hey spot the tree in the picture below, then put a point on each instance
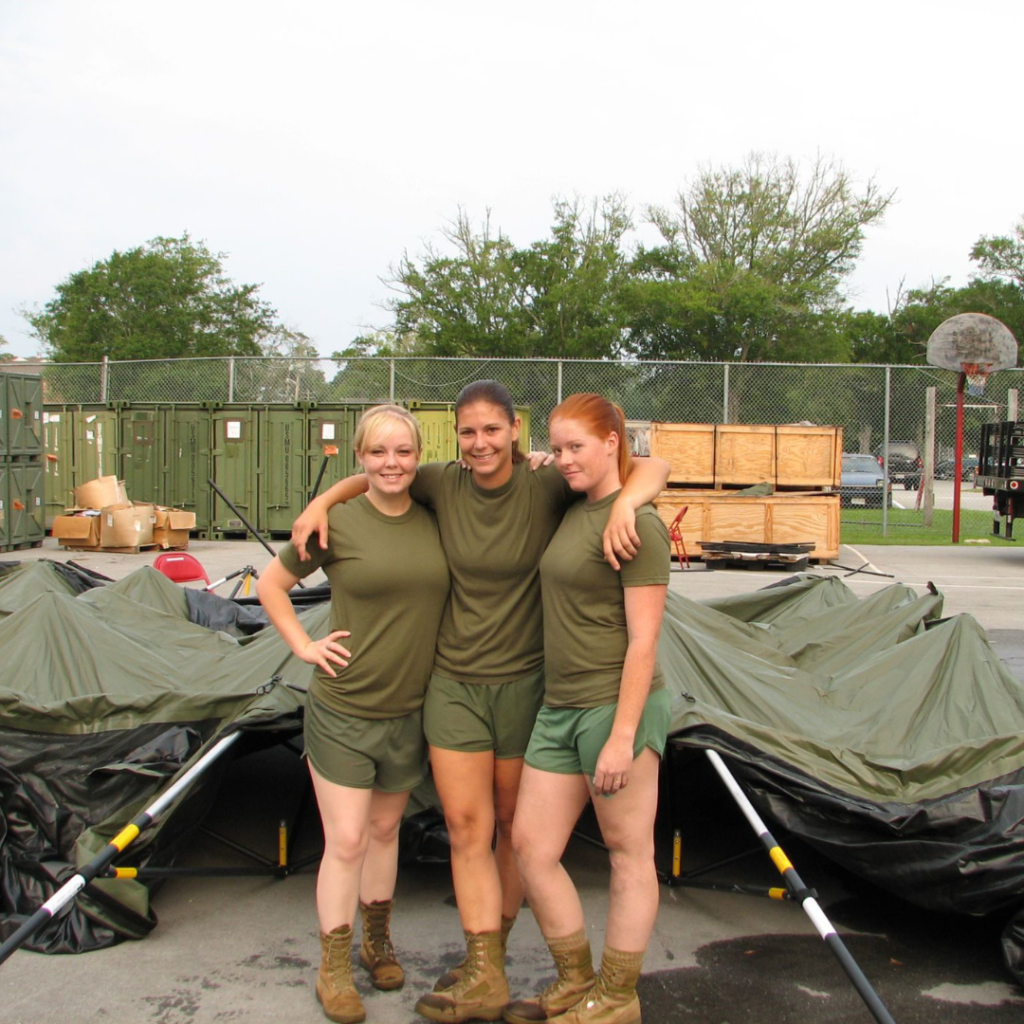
(1002, 257)
(5, 357)
(485, 297)
(165, 299)
(751, 263)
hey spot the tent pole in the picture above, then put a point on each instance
(71, 888)
(801, 893)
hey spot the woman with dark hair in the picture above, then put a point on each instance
(488, 678)
(601, 731)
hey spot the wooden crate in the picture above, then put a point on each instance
(807, 456)
(689, 448)
(744, 454)
(794, 517)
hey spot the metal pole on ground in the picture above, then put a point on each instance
(71, 888)
(801, 893)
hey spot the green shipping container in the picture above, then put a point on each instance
(189, 432)
(23, 413)
(282, 469)
(24, 512)
(234, 467)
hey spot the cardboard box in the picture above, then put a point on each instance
(76, 530)
(171, 527)
(101, 492)
(126, 526)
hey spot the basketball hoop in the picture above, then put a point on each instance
(973, 345)
(977, 376)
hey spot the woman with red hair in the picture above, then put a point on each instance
(601, 731)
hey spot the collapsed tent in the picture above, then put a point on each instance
(104, 698)
(889, 738)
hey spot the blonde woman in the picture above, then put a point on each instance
(364, 719)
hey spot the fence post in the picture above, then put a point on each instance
(558, 388)
(885, 449)
(725, 395)
(927, 484)
(1011, 404)
(104, 365)
(391, 381)
(231, 378)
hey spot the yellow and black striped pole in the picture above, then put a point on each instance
(73, 886)
(804, 895)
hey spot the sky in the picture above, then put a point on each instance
(314, 143)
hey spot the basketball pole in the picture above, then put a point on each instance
(958, 454)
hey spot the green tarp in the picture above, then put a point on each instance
(889, 737)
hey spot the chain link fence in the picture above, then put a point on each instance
(873, 404)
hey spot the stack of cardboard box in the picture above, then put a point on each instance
(103, 518)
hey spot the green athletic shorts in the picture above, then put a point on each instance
(569, 740)
(388, 754)
(475, 717)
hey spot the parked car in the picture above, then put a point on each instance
(905, 463)
(945, 469)
(862, 482)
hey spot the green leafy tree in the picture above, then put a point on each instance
(168, 298)
(1002, 256)
(751, 264)
(5, 357)
(482, 296)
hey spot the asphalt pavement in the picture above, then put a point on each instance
(246, 949)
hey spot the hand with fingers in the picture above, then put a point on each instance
(326, 652)
(613, 765)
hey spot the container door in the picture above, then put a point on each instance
(330, 431)
(437, 424)
(95, 444)
(25, 503)
(24, 415)
(188, 434)
(142, 454)
(58, 441)
(282, 466)
(233, 465)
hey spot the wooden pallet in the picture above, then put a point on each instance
(739, 555)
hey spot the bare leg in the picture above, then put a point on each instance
(627, 826)
(465, 783)
(345, 814)
(380, 866)
(507, 773)
(549, 807)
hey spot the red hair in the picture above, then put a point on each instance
(600, 417)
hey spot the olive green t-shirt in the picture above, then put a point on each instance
(492, 628)
(389, 586)
(585, 635)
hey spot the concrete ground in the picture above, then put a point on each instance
(245, 949)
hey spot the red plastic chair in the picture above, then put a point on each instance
(675, 534)
(182, 568)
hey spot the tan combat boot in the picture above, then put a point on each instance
(449, 979)
(376, 953)
(613, 1000)
(482, 991)
(334, 986)
(575, 979)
